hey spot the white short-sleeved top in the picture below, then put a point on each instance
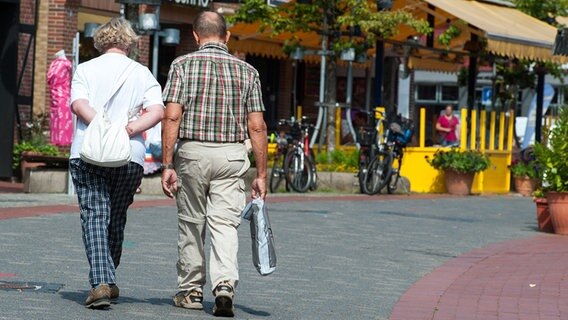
(96, 80)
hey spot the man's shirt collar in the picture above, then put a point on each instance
(214, 45)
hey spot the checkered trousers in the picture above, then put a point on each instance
(104, 196)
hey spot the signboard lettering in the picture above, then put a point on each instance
(193, 3)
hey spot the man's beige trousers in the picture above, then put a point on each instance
(211, 192)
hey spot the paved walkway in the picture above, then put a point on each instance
(519, 279)
(340, 257)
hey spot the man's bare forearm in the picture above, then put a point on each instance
(83, 110)
(153, 115)
(170, 131)
(259, 143)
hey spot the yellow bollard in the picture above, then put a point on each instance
(473, 130)
(337, 126)
(482, 128)
(492, 131)
(463, 126)
(510, 130)
(422, 127)
(501, 131)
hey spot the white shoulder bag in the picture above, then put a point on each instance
(107, 143)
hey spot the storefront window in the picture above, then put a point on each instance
(450, 93)
(426, 92)
(87, 49)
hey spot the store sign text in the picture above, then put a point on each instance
(194, 3)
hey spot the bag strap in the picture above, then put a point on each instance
(119, 83)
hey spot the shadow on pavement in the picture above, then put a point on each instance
(253, 312)
(76, 296)
(80, 296)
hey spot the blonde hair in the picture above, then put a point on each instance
(117, 33)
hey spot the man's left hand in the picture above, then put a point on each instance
(259, 188)
(169, 182)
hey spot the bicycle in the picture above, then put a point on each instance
(277, 174)
(392, 139)
(298, 165)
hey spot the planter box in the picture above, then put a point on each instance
(54, 180)
(45, 180)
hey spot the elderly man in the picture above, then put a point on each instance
(213, 103)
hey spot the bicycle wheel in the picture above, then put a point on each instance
(276, 175)
(314, 184)
(393, 182)
(361, 176)
(378, 173)
(298, 171)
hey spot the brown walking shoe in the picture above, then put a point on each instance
(189, 299)
(224, 294)
(114, 292)
(99, 297)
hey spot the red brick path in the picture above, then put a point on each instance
(519, 279)
(43, 210)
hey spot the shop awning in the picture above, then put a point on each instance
(563, 21)
(508, 31)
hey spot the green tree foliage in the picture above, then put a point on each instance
(342, 16)
(543, 9)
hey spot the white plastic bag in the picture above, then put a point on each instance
(263, 252)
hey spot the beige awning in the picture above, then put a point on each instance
(508, 31)
(562, 20)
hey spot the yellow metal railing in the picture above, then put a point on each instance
(488, 132)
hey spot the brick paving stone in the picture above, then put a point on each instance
(518, 279)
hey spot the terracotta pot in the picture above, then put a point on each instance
(543, 215)
(525, 185)
(558, 206)
(458, 183)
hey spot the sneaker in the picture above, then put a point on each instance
(224, 294)
(99, 297)
(114, 291)
(189, 299)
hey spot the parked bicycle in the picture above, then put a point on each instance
(294, 162)
(384, 168)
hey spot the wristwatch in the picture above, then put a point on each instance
(167, 166)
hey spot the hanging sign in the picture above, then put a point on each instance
(192, 3)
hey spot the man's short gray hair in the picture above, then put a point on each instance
(210, 24)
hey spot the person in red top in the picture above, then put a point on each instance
(446, 126)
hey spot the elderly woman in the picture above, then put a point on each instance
(104, 193)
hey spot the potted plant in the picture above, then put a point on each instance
(460, 167)
(542, 212)
(31, 148)
(525, 177)
(553, 158)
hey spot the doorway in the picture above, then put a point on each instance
(9, 24)
(269, 72)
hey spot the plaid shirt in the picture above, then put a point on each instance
(217, 90)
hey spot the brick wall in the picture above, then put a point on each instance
(187, 41)
(144, 50)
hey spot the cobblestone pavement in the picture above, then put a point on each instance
(338, 257)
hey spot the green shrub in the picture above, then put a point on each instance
(338, 161)
(468, 161)
(553, 158)
(524, 169)
(28, 146)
